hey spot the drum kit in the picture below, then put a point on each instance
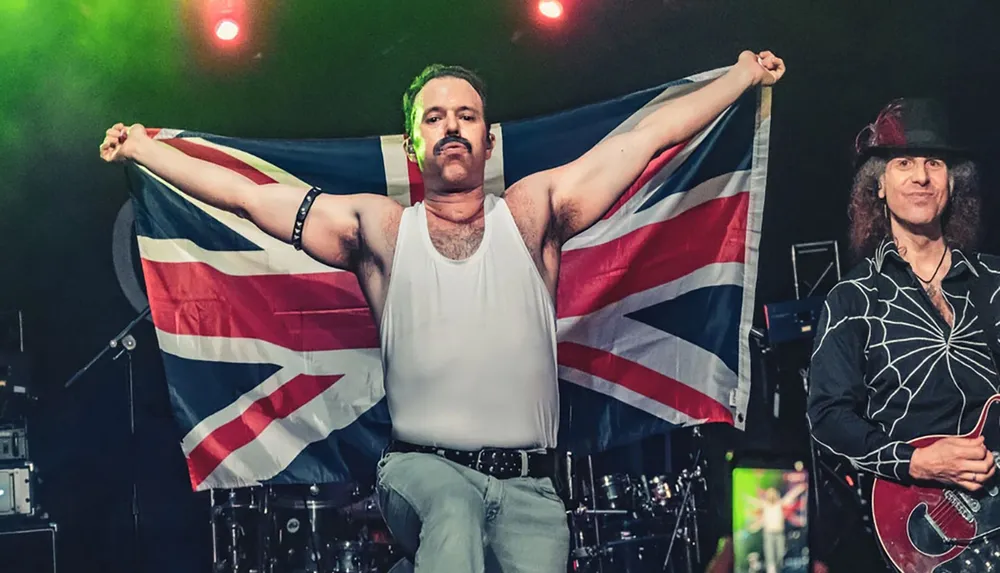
(319, 528)
(627, 523)
(621, 523)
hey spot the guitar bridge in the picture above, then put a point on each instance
(970, 502)
(957, 503)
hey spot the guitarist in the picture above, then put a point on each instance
(903, 347)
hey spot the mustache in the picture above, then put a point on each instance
(452, 139)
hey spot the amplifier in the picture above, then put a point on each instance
(793, 320)
(28, 547)
(15, 374)
(13, 443)
(15, 490)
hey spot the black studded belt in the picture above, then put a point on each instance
(500, 463)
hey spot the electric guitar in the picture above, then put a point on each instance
(940, 529)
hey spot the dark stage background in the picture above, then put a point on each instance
(337, 69)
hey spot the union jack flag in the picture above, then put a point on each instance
(272, 358)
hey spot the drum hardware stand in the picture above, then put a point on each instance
(234, 536)
(314, 540)
(211, 524)
(688, 512)
(593, 501)
(264, 556)
(124, 343)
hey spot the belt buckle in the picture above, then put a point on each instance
(479, 459)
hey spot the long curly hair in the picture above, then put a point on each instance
(960, 221)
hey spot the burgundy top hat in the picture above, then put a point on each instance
(917, 126)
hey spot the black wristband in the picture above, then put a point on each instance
(300, 217)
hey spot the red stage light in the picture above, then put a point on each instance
(550, 8)
(227, 29)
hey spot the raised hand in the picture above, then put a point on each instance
(765, 67)
(120, 141)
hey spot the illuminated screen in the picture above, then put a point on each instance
(770, 529)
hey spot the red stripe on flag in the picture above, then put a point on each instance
(217, 157)
(644, 381)
(316, 311)
(652, 169)
(416, 182)
(236, 433)
(594, 277)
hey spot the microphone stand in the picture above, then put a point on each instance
(124, 343)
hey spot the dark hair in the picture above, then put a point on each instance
(869, 225)
(434, 71)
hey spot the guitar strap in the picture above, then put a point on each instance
(979, 292)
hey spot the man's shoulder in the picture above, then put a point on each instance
(989, 261)
(531, 187)
(377, 201)
(376, 209)
(529, 200)
(379, 217)
(854, 289)
(865, 270)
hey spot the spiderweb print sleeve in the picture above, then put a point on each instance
(837, 390)
(991, 266)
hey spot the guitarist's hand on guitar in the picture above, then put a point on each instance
(961, 461)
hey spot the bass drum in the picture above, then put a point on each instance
(308, 533)
(238, 530)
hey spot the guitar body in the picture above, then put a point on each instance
(913, 523)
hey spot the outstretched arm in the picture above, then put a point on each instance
(583, 190)
(793, 493)
(330, 233)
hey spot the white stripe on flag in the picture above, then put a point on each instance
(665, 172)
(494, 180)
(755, 218)
(715, 274)
(281, 252)
(355, 393)
(610, 330)
(725, 185)
(255, 351)
(283, 440)
(395, 165)
(269, 169)
(233, 263)
(168, 133)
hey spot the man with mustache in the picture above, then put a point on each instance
(462, 287)
(904, 343)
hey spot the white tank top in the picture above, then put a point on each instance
(469, 347)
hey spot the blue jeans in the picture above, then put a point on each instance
(453, 519)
